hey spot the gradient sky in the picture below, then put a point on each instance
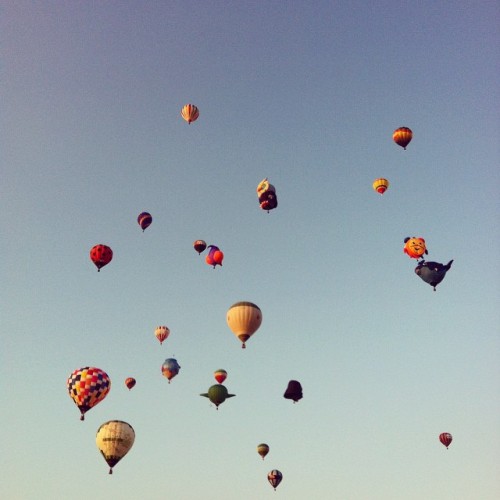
(307, 94)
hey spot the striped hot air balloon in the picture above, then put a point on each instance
(445, 438)
(402, 136)
(190, 113)
(244, 319)
(162, 333)
(114, 440)
(380, 185)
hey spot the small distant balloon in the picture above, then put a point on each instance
(190, 113)
(217, 394)
(130, 382)
(214, 257)
(402, 136)
(275, 477)
(162, 333)
(170, 368)
(380, 185)
(101, 255)
(199, 246)
(432, 272)
(415, 247)
(144, 220)
(220, 375)
(446, 439)
(267, 195)
(293, 391)
(114, 440)
(262, 450)
(244, 319)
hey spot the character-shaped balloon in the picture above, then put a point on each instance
(446, 439)
(101, 255)
(214, 257)
(114, 440)
(275, 477)
(293, 391)
(144, 220)
(432, 272)
(170, 368)
(402, 136)
(415, 247)
(217, 394)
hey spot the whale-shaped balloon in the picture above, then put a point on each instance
(432, 272)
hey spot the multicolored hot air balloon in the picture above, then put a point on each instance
(267, 195)
(244, 319)
(220, 375)
(432, 272)
(445, 438)
(380, 185)
(101, 255)
(217, 394)
(199, 246)
(190, 113)
(293, 391)
(162, 333)
(275, 477)
(144, 220)
(130, 382)
(415, 247)
(262, 450)
(214, 257)
(170, 368)
(87, 387)
(114, 440)
(402, 136)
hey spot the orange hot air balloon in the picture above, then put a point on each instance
(161, 333)
(130, 382)
(101, 255)
(199, 246)
(415, 247)
(220, 375)
(380, 185)
(402, 136)
(244, 319)
(190, 113)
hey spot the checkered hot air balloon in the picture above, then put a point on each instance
(87, 387)
(162, 333)
(275, 477)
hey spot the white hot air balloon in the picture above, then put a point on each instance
(114, 440)
(244, 319)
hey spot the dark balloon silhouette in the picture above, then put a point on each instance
(144, 220)
(445, 438)
(199, 246)
(293, 391)
(275, 477)
(432, 272)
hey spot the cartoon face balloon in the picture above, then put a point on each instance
(415, 247)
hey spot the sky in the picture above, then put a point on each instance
(307, 94)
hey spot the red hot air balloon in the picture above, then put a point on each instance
(144, 220)
(162, 333)
(101, 255)
(220, 375)
(402, 136)
(199, 246)
(446, 438)
(190, 113)
(130, 382)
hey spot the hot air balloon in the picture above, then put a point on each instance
(217, 394)
(415, 247)
(144, 220)
(402, 136)
(130, 382)
(101, 255)
(262, 450)
(190, 113)
(267, 195)
(380, 185)
(275, 477)
(446, 438)
(87, 387)
(170, 368)
(214, 257)
(161, 333)
(293, 391)
(244, 319)
(432, 272)
(199, 246)
(114, 440)
(220, 375)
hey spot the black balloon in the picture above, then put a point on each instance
(432, 272)
(293, 391)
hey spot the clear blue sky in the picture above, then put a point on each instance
(307, 94)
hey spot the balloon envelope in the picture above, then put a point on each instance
(293, 391)
(267, 195)
(432, 272)
(220, 375)
(162, 333)
(262, 450)
(130, 382)
(446, 438)
(380, 185)
(275, 477)
(244, 319)
(199, 246)
(101, 255)
(87, 387)
(144, 220)
(114, 440)
(217, 394)
(402, 136)
(190, 113)
(170, 368)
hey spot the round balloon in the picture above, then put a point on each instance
(144, 220)
(244, 319)
(220, 375)
(415, 247)
(170, 368)
(130, 382)
(380, 185)
(114, 440)
(101, 255)
(87, 387)
(262, 450)
(445, 438)
(190, 113)
(162, 333)
(402, 136)
(199, 246)
(275, 477)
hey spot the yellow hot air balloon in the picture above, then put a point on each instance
(114, 440)
(244, 319)
(380, 185)
(190, 113)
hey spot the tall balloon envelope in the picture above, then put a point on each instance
(199, 246)
(220, 375)
(87, 387)
(266, 193)
(293, 391)
(244, 319)
(162, 333)
(262, 450)
(130, 382)
(190, 113)
(101, 255)
(402, 136)
(114, 440)
(170, 368)
(275, 477)
(144, 220)
(446, 439)
(380, 185)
